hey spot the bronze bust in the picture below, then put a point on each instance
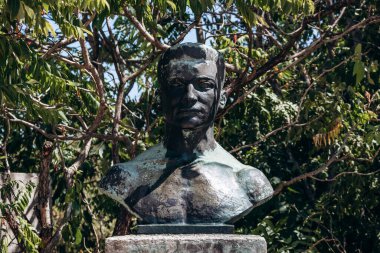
(189, 178)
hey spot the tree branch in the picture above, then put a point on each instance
(334, 158)
(184, 33)
(143, 31)
(7, 132)
(300, 56)
(271, 133)
(72, 170)
(299, 178)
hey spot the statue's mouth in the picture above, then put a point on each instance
(188, 112)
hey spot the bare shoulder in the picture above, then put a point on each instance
(255, 183)
(221, 156)
(121, 180)
(252, 180)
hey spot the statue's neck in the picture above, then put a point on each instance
(181, 142)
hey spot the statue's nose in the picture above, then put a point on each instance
(189, 97)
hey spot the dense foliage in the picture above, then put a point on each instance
(78, 92)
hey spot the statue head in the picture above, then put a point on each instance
(191, 78)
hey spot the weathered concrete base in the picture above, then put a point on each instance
(186, 243)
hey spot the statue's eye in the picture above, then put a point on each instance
(205, 84)
(176, 83)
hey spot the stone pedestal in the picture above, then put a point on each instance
(186, 243)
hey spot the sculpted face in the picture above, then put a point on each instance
(190, 92)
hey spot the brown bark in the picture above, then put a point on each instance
(199, 31)
(123, 222)
(44, 193)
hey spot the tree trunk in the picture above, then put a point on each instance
(123, 222)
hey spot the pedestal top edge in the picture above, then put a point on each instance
(140, 237)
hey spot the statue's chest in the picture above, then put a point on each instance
(194, 194)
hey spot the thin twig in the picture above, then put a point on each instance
(184, 33)
(344, 174)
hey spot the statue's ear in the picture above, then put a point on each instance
(222, 100)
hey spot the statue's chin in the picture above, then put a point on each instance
(189, 123)
(190, 120)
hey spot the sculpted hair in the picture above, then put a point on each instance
(192, 51)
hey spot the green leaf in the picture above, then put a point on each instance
(358, 71)
(21, 14)
(370, 80)
(172, 5)
(78, 236)
(229, 3)
(46, 6)
(358, 49)
(196, 7)
(48, 28)
(4, 244)
(288, 6)
(261, 20)
(245, 10)
(29, 11)
(62, 116)
(13, 6)
(87, 31)
(293, 190)
(308, 7)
